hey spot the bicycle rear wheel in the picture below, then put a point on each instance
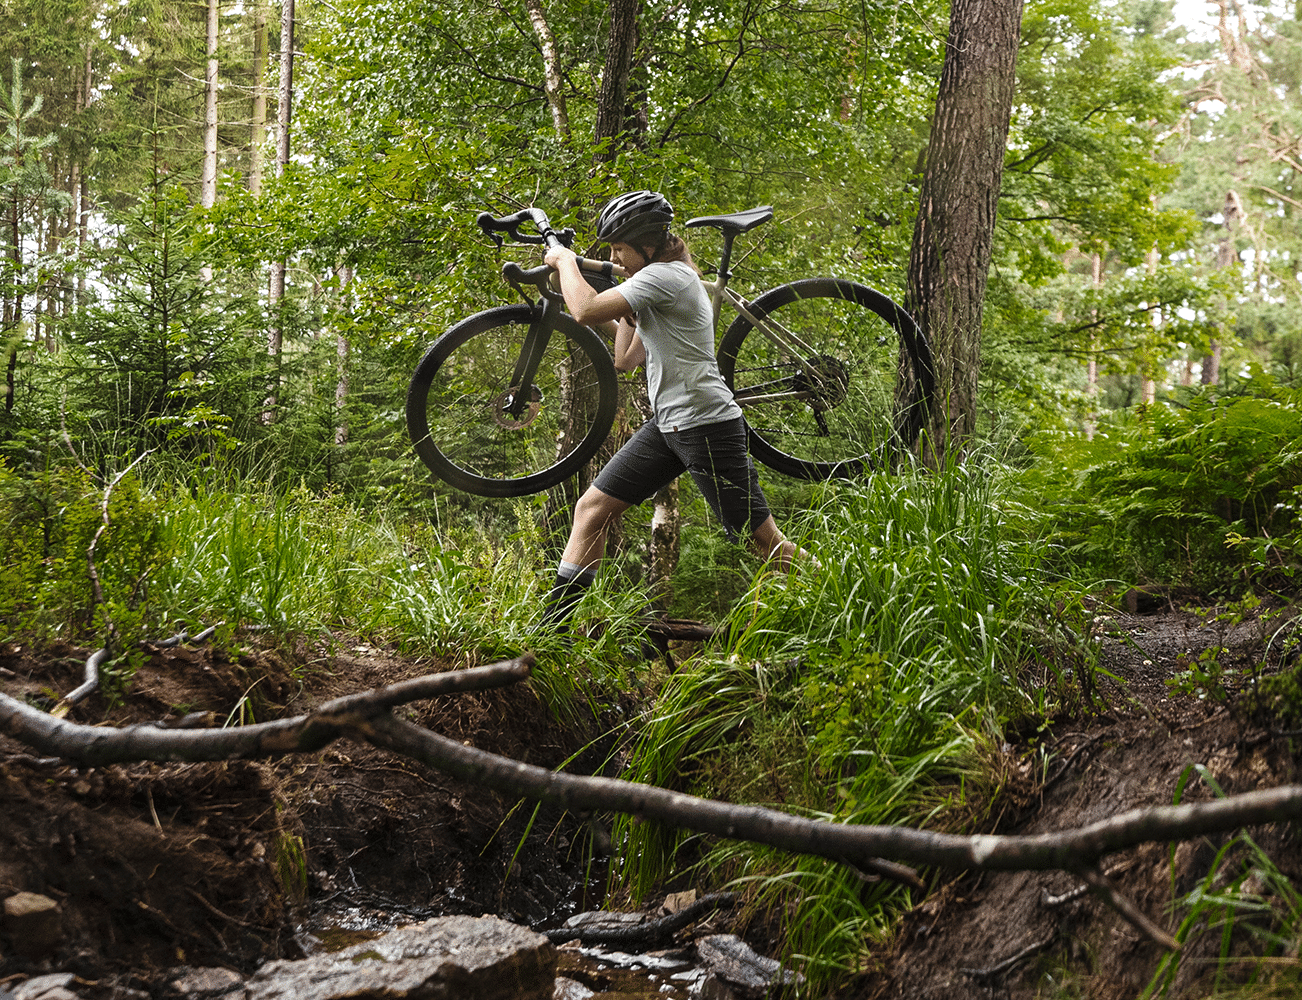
(459, 404)
(827, 410)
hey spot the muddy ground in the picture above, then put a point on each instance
(1012, 934)
(232, 864)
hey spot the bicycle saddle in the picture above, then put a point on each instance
(737, 222)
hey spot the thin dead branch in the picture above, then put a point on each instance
(649, 931)
(367, 717)
(1035, 947)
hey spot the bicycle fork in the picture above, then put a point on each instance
(524, 393)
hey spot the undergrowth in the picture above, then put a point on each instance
(288, 566)
(872, 688)
(1203, 489)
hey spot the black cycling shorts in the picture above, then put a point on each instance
(715, 455)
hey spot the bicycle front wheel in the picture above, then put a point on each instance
(480, 433)
(818, 386)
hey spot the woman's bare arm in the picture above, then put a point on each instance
(629, 351)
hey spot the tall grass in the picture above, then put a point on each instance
(289, 565)
(869, 689)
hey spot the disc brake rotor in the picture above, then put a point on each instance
(504, 418)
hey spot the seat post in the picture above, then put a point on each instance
(716, 295)
(728, 236)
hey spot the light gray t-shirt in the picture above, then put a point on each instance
(676, 324)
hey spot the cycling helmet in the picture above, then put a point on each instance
(645, 214)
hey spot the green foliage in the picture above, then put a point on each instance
(866, 690)
(1203, 491)
(81, 563)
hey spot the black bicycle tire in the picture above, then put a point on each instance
(906, 424)
(446, 467)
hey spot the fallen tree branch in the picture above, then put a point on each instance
(367, 717)
(1108, 893)
(90, 679)
(100, 745)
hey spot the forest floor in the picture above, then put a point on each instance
(161, 866)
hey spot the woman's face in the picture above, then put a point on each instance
(627, 257)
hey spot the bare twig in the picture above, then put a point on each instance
(1011, 960)
(1108, 893)
(648, 931)
(1065, 766)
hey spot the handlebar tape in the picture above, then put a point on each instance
(493, 226)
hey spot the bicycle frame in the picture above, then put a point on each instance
(804, 386)
(782, 338)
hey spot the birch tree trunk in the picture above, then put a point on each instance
(551, 68)
(208, 180)
(284, 111)
(950, 255)
(665, 546)
(208, 177)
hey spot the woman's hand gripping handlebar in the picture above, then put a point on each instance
(494, 226)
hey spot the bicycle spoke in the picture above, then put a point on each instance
(825, 407)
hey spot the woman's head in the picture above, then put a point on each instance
(638, 218)
(640, 221)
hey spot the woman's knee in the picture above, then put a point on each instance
(596, 509)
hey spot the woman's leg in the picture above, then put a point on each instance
(593, 515)
(769, 543)
(635, 473)
(583, 552)
(717, 457)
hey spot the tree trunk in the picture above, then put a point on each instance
(662, 559)
(284, 111)
(950, 255)
(208, 181)
(13, 305)
(613, 95)
(1226, 257)
(258, 131)
(1092, 369)
(82, 195)
(341, 354)
(1149, 366)
(551, 68)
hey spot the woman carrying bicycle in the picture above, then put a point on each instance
(665, 321)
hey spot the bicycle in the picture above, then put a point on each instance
(499, 406)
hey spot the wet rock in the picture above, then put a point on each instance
(569, 989)
(711, 987)
(458, 958)
(734, 963)
(33, 923)
(604, 919)
(205, 984)
(52, 987)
